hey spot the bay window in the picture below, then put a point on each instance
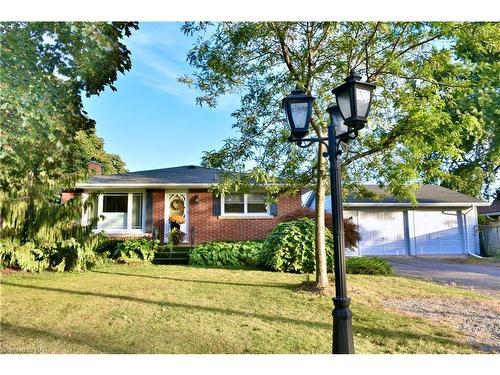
(245, 204)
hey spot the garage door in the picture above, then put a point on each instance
(383, 233)
(437, 233)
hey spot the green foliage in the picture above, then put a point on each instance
(25, 257)
(368, 266)
(142, 249)
(433, 118)
(74, 255)
(108, 246)
(175, 237)
(68, 255)
(290, 247)
(87, 147)
(221, 254)
(46, 137)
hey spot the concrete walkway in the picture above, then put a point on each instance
(480, 277)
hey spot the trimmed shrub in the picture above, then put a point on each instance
(290, 247)
(368, 266)
(351, 230)
(136, 250)
(224, 254)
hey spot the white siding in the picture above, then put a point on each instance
(438, 232)
(417, 231)
(472, 235)
(382, 232)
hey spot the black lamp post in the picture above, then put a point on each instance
(347, 117)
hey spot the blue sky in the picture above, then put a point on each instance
(152, 121)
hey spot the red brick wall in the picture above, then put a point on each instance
(66, 196)
(159, 211)
(211, 228)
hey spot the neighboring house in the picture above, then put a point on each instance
(443, 223)
(156, 201)
(492, 211)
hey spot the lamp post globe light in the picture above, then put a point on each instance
(298, 110)
(353, 99)
(347, 117)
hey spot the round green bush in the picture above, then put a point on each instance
(368, 266)
(226, 254)
(290, 247)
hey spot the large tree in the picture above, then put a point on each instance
(46, 137)
(425, 123)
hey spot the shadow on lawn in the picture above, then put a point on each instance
(374, 335)
(85, 340)
(186, 306)
(277, 285)
(381, 334)
(377, 335)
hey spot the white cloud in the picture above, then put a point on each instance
(159, 58)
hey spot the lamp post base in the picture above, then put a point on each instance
(343, 342)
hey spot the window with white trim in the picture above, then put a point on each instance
(245, 204)
(137, 211)
(120, 211)
(114, 211)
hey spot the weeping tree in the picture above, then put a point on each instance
(46, 137)
(433, 118)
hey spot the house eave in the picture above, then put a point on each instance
(419, 205)
(130, 185)
(89, 186)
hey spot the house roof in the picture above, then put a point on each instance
(187, 175)
(491, 210)
(427, 195)
(196, 176)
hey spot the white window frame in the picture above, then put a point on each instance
(128, 230)
(245, 208)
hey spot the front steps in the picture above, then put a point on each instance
(178, 255)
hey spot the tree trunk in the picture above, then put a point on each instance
(320, 244)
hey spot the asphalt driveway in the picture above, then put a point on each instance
(480, 277)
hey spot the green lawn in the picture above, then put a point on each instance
(179, 309)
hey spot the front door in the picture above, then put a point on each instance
(176, 217)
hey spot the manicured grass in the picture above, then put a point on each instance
(148, 308)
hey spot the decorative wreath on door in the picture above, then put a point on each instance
(177, 209)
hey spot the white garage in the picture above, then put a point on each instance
(443, 223)
(376, 239)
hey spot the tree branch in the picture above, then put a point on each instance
(285, 50)
(382, 146)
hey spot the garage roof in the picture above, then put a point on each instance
(427, 196)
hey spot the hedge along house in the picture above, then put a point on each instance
(154, 202)
(444, 222)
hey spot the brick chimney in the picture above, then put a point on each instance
(95, 168)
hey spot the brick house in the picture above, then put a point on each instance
(154, 202)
